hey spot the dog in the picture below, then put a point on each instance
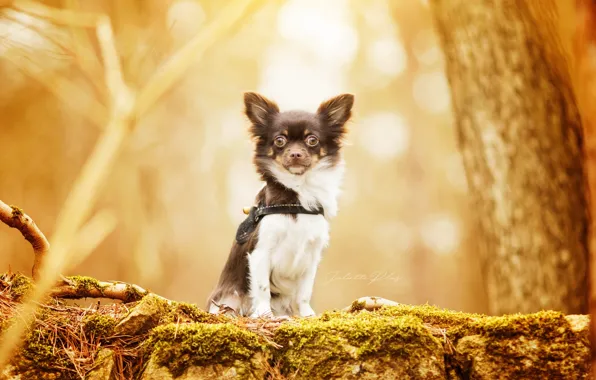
(272, 265)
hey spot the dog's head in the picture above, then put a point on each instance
(295, 141)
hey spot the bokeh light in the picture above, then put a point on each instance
(384, 135)
(441, 234)
(387, 56)
(431, 92)
(185, 18)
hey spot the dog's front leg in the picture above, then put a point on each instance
(304, 293)
(259, 264)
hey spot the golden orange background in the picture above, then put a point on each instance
(403, 231)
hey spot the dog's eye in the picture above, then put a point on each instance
(312, 140)
(279, 141)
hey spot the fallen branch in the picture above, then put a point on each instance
(77, 287)
(15, 217)
(85, 287)
(369, 304)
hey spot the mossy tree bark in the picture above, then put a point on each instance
(520, 136)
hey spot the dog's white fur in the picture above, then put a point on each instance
(288, 251)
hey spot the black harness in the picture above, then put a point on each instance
(257, 213)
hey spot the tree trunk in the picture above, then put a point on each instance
(520, 135)
(584, 49)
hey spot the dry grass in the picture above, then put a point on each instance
(75, 346)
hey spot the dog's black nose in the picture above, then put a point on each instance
(296, 155)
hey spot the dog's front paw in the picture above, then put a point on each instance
(306, 311)
(281, 318)
(262, 312)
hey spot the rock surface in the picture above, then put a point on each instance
(142, 318)
(104, 366)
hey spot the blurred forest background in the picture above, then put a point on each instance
(178, 188)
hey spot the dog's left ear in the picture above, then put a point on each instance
(337, 110)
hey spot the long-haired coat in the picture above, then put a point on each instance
(272, 265)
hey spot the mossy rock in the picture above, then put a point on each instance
(365, 346)
(402, 342)
(540, 346)
(160, 339)
(143, 317)
(209, 351)
(104, 366)
(234, 370)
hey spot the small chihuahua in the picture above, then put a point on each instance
(271, 269)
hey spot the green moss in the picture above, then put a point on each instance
(20, 285)
(39, 350)
(329, 345)
(99, 325)
(544, 324)
(16, 212)
(357, 305)
(186, 312)
(156, 303)
(85, 283)
(336, 342)
(179, 346)
(40, 358)
(42, 355)
(544, 338)
(429, 314)
(133, 294)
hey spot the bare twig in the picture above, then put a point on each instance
(16, 218)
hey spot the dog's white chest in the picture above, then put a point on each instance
(296, 246)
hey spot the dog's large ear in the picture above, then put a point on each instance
(259, 109)
(337, 110)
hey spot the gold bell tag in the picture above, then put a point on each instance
(246, 210)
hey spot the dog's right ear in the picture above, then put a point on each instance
(259, 109)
